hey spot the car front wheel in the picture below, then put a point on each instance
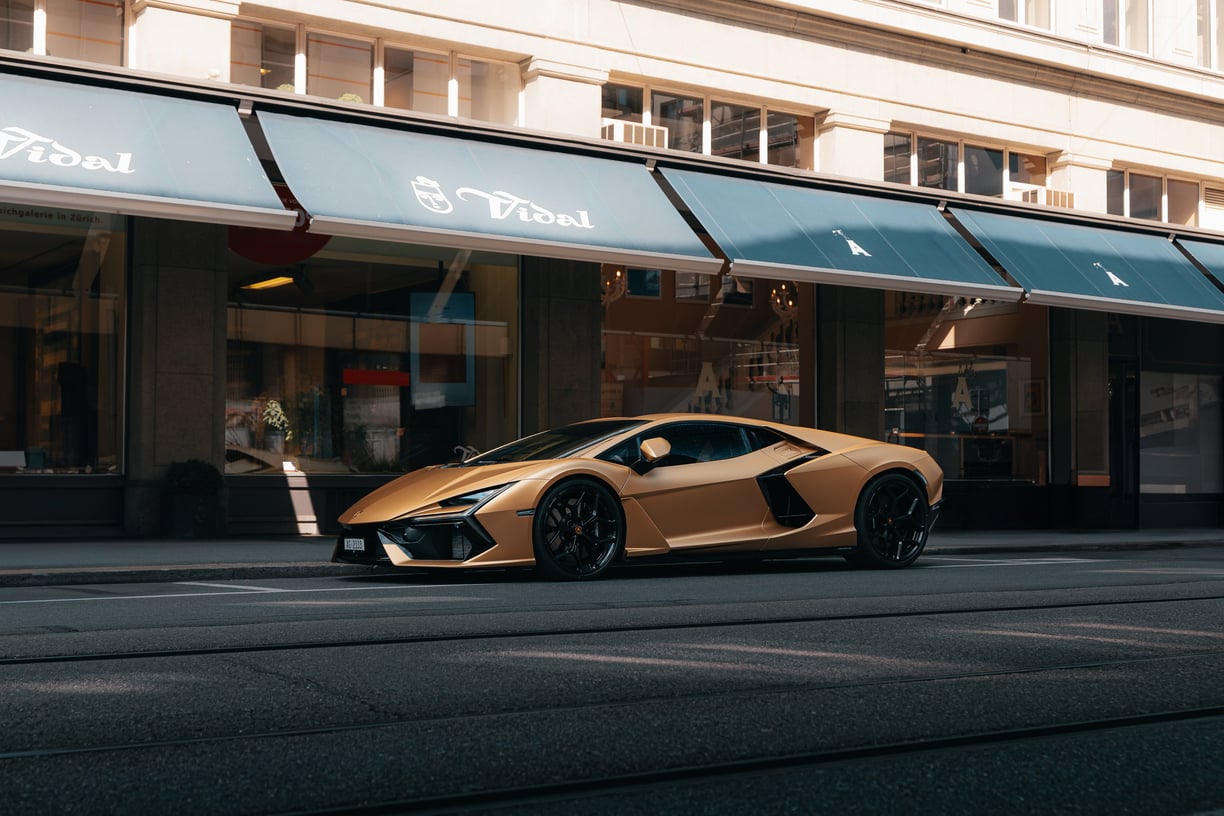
(579, 530)
(892, 518)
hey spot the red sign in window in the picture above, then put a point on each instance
(363, 376)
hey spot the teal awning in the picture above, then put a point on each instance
(111, 150)
(1207, 253)
(368, 181)
(776, 230)
(1099, 268)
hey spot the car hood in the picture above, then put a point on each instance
(428, 486)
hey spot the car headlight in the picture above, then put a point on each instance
(474, 498)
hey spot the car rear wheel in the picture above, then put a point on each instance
(892, 518)
(579, 530)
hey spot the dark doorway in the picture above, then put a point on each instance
(1123, 443)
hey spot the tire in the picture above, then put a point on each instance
(892, 518)
(579, 530)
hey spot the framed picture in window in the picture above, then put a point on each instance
(1032, 398)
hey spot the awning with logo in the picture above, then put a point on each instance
(367, 181)
(1087, 267)
(777, 230)
(110, 150)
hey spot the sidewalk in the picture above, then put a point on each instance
(99, 561)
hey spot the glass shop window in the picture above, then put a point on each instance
(488, 91)
(62, 321)
(90, 30)
(965, 380)
(339, 68)
(262, 56)
(415, 80)
(790, 142)
(694, 355)
(1180, 433)
(17, 25)
(365, 358)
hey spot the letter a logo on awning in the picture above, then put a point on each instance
(855, 249)
(1112, 277)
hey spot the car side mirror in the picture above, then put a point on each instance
(652, 450)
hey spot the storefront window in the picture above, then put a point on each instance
(488, 91)
(262, 55)
(17, 25)
(706, 357)
(1180, 433)
(1145, 194)
(61, 340)
(369, 357)
(339, 68)
(965, 380)
(415, 80)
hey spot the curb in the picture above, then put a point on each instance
(171, 573)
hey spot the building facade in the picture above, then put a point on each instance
(316, 250)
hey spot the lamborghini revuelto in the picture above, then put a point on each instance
(575, 500)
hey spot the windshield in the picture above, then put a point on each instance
(557, 443)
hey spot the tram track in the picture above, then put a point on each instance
(344, 643)
(738, 693)
(591, 788)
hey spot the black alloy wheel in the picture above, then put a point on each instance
(892, 519)
(579, 530)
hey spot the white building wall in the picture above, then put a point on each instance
(860, 67)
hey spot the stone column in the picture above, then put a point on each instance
(160, 29)
(176, 391)
(562, 98)
(851, 145)
(1084, 175)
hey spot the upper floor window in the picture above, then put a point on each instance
(17, 25)
(705, 124)
(1125, 23)
(1155, 198)
(968, 168)
(1026, 12)
(89, 30)
(292, 59)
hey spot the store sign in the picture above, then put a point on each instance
(502, 206)
(16, 142)
(855, 249)
(1112, 277)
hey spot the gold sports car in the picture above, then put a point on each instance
(577, 499)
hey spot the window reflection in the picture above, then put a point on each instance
(262, 55)
(17, 25)
(415, 80)
(61, 340)
(371, 358)
(339, 68)
(965, 380)
(488, 91)
(683, 117)
(90, 30)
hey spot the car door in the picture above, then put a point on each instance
(704, 493)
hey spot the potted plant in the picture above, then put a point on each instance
(192, 499)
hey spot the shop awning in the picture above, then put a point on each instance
(367, 181)
(775, 230)
(1098, 268)
(1207, 253)
(105, 149)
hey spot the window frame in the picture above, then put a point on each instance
(1165, 178)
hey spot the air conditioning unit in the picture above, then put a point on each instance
(1044, 196)
(619, 130)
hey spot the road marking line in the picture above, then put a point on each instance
(232, 586)
(210, 594)
(1028, 562)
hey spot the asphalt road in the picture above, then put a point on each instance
(965, 685)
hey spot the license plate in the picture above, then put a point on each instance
(354, 544)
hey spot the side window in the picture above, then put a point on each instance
(703, 442)
(626, 453)
(759, 438)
